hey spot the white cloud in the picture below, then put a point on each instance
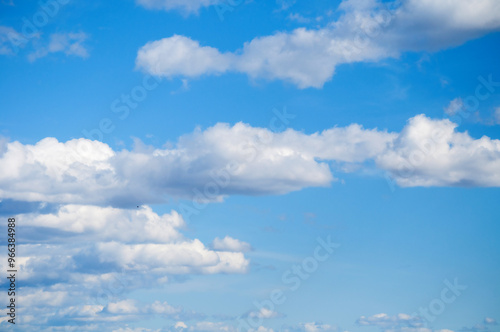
(454, 106)
(175, 258)
(303, 57)
(76, 268)
(230, 244)
(132, 240)
(67, 43)
(317, 327)
(385, 321)
(40, 297)
(187, 6)
(311, 327)
(298, 18)
(261, 329)
(123, 307)
(432, 153)
(264, 313)
(456, 21)
(185, 57)
(126, 309)
(180, 325)
(224, 160)
(107, 224)
(163, 308)
(207, 326)
(306, 58)
(367, 31)
(62, 168)
(81, 262)
(398, 323)
(11, 41)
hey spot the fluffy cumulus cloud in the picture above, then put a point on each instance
(79, 262)
(221, 160)
(50, 163)
(178, 258)
(111, 224)
(70, 199)
(456, 21)
(185, 57)
(367, 31)
(110, 238)
(432, 153)
(240, 159)
(306, 58)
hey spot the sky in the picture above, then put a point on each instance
(242, 165)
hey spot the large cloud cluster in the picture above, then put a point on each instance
(367, 31)
(80, 261)
(240, 159)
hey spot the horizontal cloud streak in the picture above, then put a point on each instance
(186, 6)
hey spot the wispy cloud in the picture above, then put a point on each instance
(71, 44)
(186, 6)
(230, 244)
(67, 43)
(455, 106)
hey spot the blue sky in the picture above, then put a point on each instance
(217, 165)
